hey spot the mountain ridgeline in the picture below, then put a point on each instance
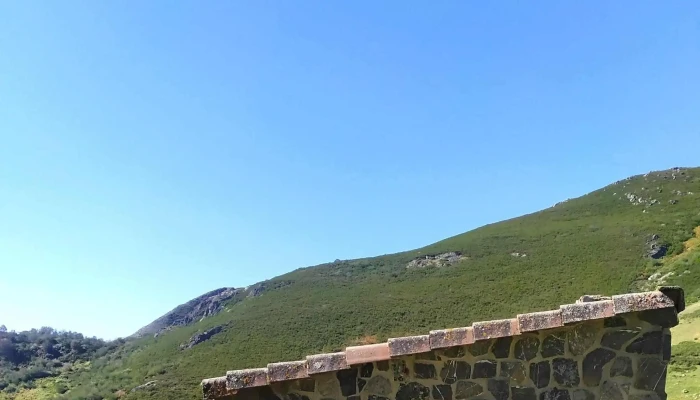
(629, 236)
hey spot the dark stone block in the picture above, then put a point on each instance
(617, 338)
(581, 338)
(566, 372)
(361, 384)
(383, 365)
(501, 347)
(379, 385)
(666, 348)
(555, 394)
(296, 396)
(307, 385)
(553, 345)
(454, 370)
(648, 343)
(651, 375)
(484, 369)
(348, 381)
(442, 392)
(499, 388)
(583, 394)
(526, 348)
(611, 391)
(664, 317)
(614, 322)
(467, 390)
(622, 366)
(366, 370)
(514, 370)
(464, 370)
(424, 371)
(479, 348)
(454, 352)
(540, 374)
(372, 397)
(412, 391)
(593, 365)
(523, 393)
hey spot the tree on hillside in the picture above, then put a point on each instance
(3, 329)
(8, 352)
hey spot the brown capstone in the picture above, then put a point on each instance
(409, 345)
(367, 353)
(495, 329)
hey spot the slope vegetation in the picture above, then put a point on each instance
(613, 240)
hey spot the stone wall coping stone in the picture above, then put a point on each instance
(587, 307)
(409, 345)
(587, 311)
(540, 320)
(442, 338)
(215, 388)
(244, 378)
(287, 371)
(319, 363)
(633, 302)
(367, 353)
(484, 330)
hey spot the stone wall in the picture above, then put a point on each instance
(618, 358)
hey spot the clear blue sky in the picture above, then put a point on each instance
(152, 151)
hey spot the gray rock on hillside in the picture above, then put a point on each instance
(439, 260)
(198, 338)
(194, 310)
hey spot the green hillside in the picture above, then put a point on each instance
(598, 243)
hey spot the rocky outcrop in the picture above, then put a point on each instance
(656, 250)
(146, 385)
(194, 310)
(201, 337)
(439, 260)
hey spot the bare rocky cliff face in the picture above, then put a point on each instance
(194, 310)
(206, 305)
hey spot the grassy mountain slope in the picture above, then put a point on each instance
(683, 381)
(597, 243)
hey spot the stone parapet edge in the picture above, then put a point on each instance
(583, 310)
